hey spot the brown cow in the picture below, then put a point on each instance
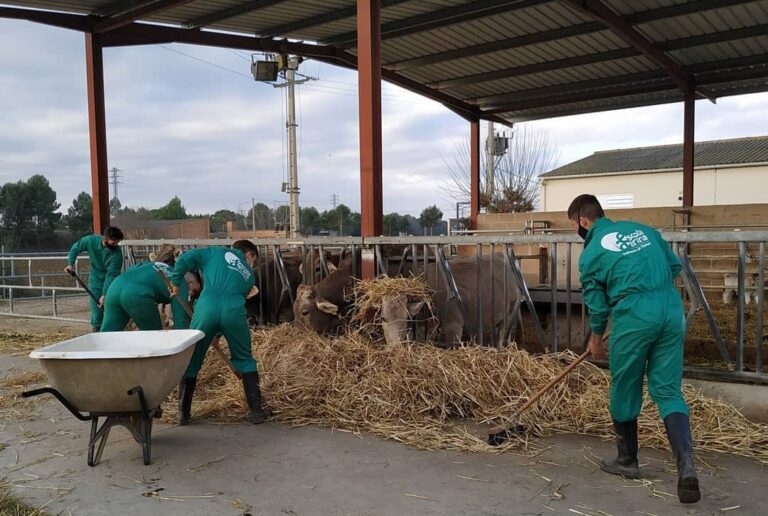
(397, 311)
(322, 306)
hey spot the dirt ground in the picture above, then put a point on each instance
(270, 469)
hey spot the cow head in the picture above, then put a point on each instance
(396, 314)
(313, 311)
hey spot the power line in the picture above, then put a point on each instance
(115, 180)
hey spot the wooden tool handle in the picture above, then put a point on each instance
(554, 380)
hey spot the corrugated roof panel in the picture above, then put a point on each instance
(662, 157)
(74, 6)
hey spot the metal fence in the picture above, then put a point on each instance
(544, 269)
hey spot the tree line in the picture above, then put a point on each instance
(31, 218)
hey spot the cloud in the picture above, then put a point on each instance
(190, 121)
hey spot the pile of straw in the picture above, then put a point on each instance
(369, 296)
(435, 399)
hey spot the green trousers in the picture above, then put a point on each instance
(223, 315)
(96, 284)
(647, 338)
(124, 304)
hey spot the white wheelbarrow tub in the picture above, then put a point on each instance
(94, 372)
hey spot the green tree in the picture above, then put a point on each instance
(265, 218)
(220, 218)
(79, 217)
(115, 206)
(174, 210)
(394, 223)
(29, 213)
(310, 220)
(340, 220)
(283, 217)
(430, 217)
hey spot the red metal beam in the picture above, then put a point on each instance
(624, 30)
(688, 141)
(128, 17)
(97, 129)
(474, 172)
(64, 21)
(369, 93)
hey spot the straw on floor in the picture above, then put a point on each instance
(433, 398)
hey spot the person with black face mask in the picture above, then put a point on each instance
(628, 273)
(106, 262)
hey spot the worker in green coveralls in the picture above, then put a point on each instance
(628, 273)
(106, 261)
(136, 294)
(227, 281)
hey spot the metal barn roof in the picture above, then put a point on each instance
(739, 151)
(511, 60)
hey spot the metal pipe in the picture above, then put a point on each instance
(493, 298)
(740, 308)
(55, 304)
(480, 294)
(553, 290)
(760, 309)
(568, 264)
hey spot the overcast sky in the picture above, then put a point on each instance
(190, 121)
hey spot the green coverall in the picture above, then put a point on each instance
(135, 295)
(628, 272)
(105, 264)
(227, 279)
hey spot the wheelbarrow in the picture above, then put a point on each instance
(120, 377)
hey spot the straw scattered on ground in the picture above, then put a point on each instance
(12, 506)
(22, 342)
(370, 294)
(433, 398)
(12, 405)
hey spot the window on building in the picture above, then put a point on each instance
(616, 201)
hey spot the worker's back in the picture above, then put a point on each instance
(628, 257)
(225, 271)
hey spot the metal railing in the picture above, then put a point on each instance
(558, 300)
(17, 269)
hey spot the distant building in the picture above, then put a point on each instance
(726, 172)
(139, 229)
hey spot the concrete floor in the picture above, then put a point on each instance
(271, 469)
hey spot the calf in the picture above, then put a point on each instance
(323, 306)
(397, 311)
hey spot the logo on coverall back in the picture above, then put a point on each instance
(234, 263)
(625, 244)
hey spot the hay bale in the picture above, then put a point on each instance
(429, 397)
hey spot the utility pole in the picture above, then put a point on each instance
(293, 179)
(289, 65)
(253, 216)
(334, 200)
(489, 163)
(115, 180)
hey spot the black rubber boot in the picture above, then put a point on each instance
(679, 434)
(253, 397)
(186, 390)
(625, 463)
(96, 329)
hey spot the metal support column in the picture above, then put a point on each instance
(369, 93)
(474, 172)
(97, 129)
(688, 138)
